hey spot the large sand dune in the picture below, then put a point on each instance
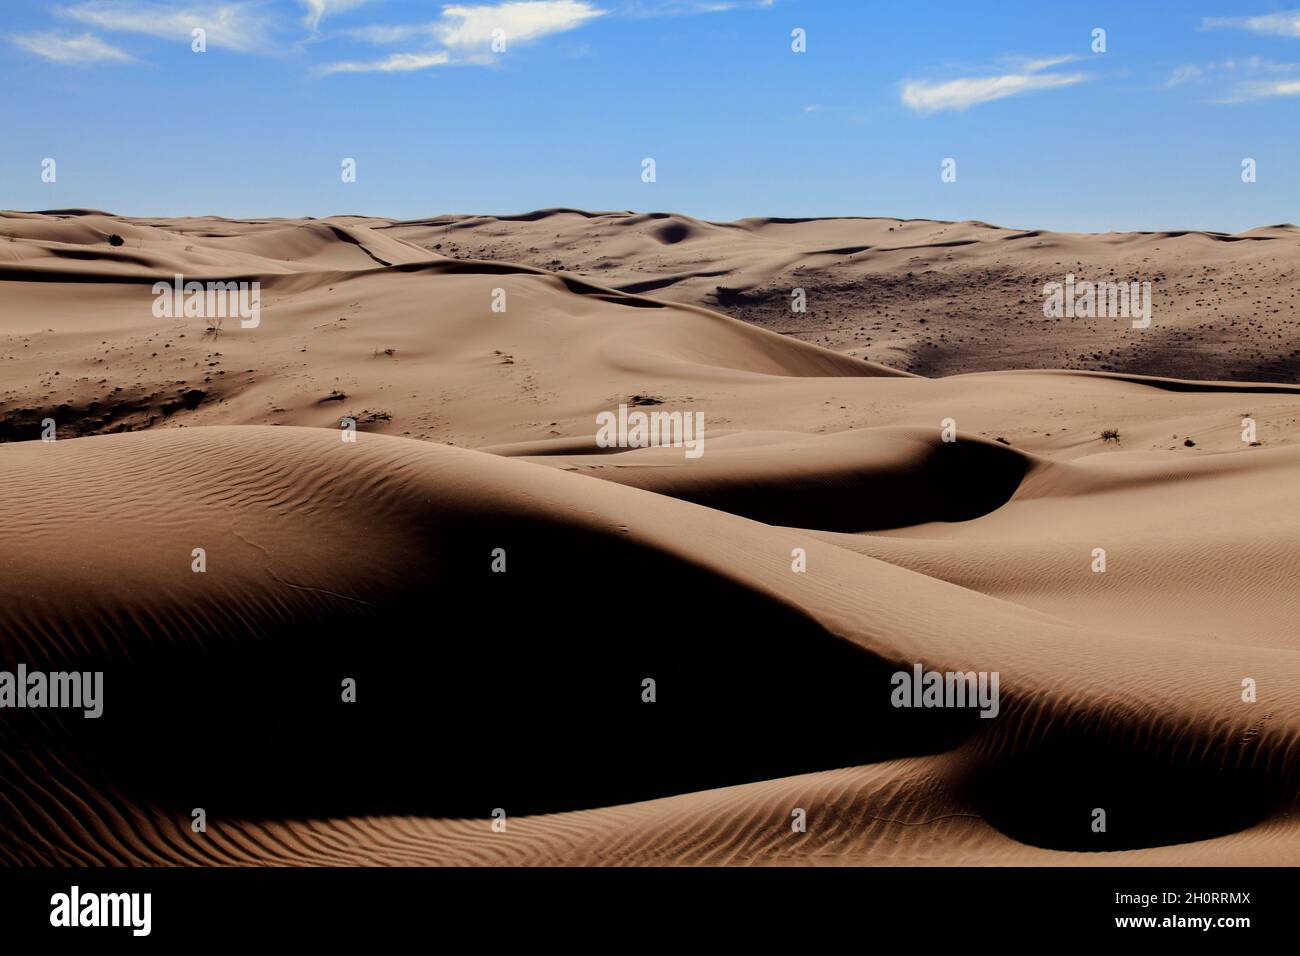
(936, 298)
(373, 560)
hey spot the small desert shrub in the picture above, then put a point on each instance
(1110, 434)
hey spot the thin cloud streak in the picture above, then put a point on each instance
(924, 97)
(1283, 24)
(317, 10)
(80, 50)
(394, 63)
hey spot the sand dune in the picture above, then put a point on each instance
(329, 560)
(935, 298)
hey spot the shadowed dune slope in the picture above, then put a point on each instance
(329, 560)
(847, 481)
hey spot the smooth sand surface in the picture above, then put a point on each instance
(373, 560)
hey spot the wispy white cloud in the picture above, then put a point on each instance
(384, 35)
(463, 34)
(1262, 90)
(241, 26)
(80, 50)
(1283, 24)
(1185, 74)
(317, 10)
(1239, 80)
(1043, 63)
(393, 63)
(924, 96)
(471, 27)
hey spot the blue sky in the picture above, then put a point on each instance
(1045, 132)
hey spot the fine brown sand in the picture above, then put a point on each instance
(935, 298)
(477, 690)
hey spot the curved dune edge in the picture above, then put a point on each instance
(1201, 546)
(893, 814)
(861, 480)
(311, 542)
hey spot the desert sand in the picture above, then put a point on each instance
(373, 560)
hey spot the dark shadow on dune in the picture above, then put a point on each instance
(841, 251)
(344, 236)
(521, 690)
(672, 233)
(955, 481)
(1186, 385)
(487, 267)
(969, 479)
(1048, 797)
(726, 297)
(66, 213)
(664, 282)
(114, 411)
(537, 214)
